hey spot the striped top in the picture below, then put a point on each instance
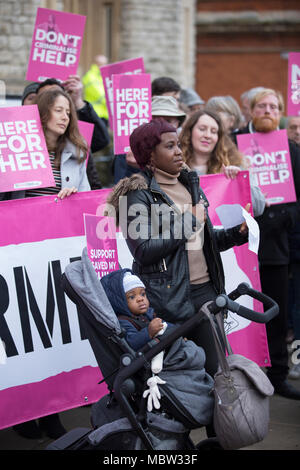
(50, 190)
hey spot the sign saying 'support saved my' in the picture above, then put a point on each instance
(130, 66)
(132, 107)
(101, 243)
(293, 101)
(56, 45)
(270, 164)
(24, 158)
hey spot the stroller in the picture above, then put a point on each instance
(120, 420)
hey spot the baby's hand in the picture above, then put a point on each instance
(155, 326)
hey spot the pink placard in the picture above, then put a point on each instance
(50, 366)
(101, 242)
(130, 66)
(240, 265)
(269, 158)
(132, 107)
(56, 45)
(24, 158)
(293, 95)
(86, 129)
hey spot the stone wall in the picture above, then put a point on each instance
(160, 31)
(16, 25)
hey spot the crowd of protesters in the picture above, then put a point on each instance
(185, 133)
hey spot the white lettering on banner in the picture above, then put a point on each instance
(58, 38)
(269, 168)
(53, 57)
(27, 151)
(38, 323)
(132, 109)
(58, 48)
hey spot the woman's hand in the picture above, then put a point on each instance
(244, 228)
(230, 171)
(67, 192)
(74, 87)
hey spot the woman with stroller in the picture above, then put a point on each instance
(176, 251)
(207, 149)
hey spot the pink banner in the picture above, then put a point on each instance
(269, 158)
(101, 241)
(131, 66)
(86, 129)
(293, 95)
(56, 45)
(50, 365)
(24, 158)
(240, 265)
(132, 107)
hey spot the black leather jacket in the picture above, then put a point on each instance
(161, 263)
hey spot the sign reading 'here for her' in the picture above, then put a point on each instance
(24, 158)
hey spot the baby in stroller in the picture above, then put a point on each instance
(181, 366)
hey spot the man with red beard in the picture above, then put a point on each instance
(274, 255)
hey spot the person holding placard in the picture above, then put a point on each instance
(208, 150)
(85, 112)
(67, 149)
(276, 222)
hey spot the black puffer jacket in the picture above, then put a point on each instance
(162, 263)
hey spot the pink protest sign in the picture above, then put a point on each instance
(50, 366)
(86, 129)
(240, 265)
(101, 242)
(56, 45)
(269, 158)
(132, 107)
(293, 99)
(24, 158)
(131, 66)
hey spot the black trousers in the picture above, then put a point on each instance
(202, 335)
(274, 283)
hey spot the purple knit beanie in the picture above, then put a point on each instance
(146, 137)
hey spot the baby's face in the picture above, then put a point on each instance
(137, 301)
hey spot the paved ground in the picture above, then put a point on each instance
(284, 429)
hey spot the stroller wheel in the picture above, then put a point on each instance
(211, 443)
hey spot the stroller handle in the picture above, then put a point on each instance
(228, 302)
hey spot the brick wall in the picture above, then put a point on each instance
(244, 44)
